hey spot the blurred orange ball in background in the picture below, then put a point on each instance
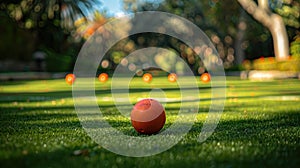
(205, 77)
(70, 79)
(172, 77)
(147, 77)
(103, 77)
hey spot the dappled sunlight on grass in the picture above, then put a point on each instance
(259, 125)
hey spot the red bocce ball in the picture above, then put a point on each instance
(148, 116)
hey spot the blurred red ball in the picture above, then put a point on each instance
(103, 77)
(205, 77)
(148, 116)
(70, 79)
(147, 77)
(172, 77)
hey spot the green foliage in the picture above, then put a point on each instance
(292, 64)
(289, 65)
(58, 62)
(265, 64)
(31, 25)
(229, 27)
(295, 47)
(15, 44)
(289, 10)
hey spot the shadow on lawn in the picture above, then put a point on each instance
(34, 96)
(245, 125)
(35, 110)
(11, 83)
(272, 141)
(51, 95)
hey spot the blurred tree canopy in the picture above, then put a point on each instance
(29, 25)
(59, 25)
(34, 14)
(236, 35)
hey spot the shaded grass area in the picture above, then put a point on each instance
(260, 126)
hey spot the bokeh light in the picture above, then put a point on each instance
(105, 64)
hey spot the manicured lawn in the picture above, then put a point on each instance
(260, 126)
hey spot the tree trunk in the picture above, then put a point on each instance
(273, 22)
(239, 51)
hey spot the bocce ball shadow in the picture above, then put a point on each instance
(90, 56)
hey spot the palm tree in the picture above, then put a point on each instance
(32, 14)
(49, 22)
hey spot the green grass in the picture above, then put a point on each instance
(260, 126)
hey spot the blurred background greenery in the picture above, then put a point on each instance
(60, 27)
